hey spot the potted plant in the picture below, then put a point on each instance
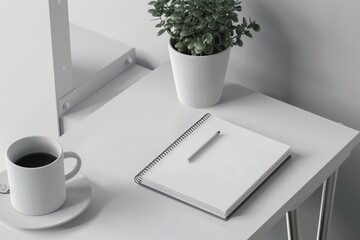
(202, 33)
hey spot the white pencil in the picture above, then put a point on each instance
(203, 145)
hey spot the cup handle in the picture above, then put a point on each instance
(77, 166)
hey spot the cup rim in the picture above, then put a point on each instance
(53, 140)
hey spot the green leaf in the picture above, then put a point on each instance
(175, 16)
(200, 26)
(256, 27)
(152, 2)
(161, 32)
(244, 21)
(239, 42)
(216, 15)
(227, 36)
(155, 13)
(209, 50)
(167, 25)
(197, 2)
(160, 24)
(218, 48)
(207, 38)
(222, 20)
(185, 33)
(234, 17)
(247, 33)
(180, 46)
(187, 40)
(188, 19)
(197, 51)
(191, 44)
(209, 18)
(197, 14)
(209, 8)
(211, 24)
(238, 8)
(199, 46)
(152, 11)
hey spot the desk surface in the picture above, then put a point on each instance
(118, 140)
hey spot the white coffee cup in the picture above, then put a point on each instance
(38, 190)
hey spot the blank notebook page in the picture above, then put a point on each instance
(224, 170)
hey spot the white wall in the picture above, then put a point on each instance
(307, 53)
(27, 89)
(124, 20)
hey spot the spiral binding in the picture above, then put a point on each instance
(138, 177)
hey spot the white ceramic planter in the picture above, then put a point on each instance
(199, 80)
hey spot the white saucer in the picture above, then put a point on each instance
(78, 197)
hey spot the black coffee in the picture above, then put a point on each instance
(33, 160)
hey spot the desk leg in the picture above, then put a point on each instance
(292, 224)
(327, 202)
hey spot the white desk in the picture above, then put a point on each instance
(118, 140)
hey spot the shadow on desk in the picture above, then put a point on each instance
(233, 92)
(100, 199)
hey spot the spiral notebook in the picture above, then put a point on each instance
(223, 174)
